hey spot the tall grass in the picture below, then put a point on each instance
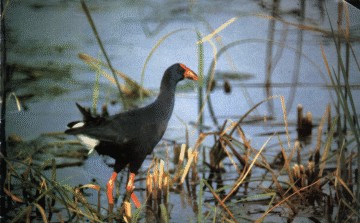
(200, 81)
(42, 192)
(92, 24)
(346, 103)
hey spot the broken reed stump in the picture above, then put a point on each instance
(157, 187)
(304, 124)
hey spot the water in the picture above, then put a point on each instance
(52, 34)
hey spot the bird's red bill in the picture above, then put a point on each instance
(189, 74)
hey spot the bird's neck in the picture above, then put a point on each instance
(165, 100)
(168, 87)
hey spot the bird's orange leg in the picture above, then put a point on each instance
(130, 187)
(110, 187)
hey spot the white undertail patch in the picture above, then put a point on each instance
(88, 142)
(78, 125)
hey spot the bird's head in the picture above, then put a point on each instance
(179, 72)
(187, 72)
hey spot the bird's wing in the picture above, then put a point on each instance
(117, 129)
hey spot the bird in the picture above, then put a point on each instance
(130, 136)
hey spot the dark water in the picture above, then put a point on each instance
(46, 38)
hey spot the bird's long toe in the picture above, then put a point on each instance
(130, 189)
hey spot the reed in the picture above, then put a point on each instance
(131, 89)
(42, 193)
(346, 106)
(92, 24)
(200, 81)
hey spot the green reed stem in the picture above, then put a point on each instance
(92, 24)
(201, 79)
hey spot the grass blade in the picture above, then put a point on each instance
(92, 24)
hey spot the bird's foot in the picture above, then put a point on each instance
(130, 189)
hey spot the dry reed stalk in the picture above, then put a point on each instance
(180, 163)
(299, 26)
(344, 184)
(182, 154)
(165, 188)
(350, 170)
(42, 212)
(242, 159)
(288, 162)
(299, 116)
(284, 200)
(191, 154)
(311, 171)
(241, 180)
(188, 154)
(328, 111)
(303, 176)
(127, 207)
(176, 149)
(94, 187)
(201, 138)
(167, 159)
(287, 165)
(13, 196)
(194, 175)
(80, 198)
(28, 213)
(161, 173)
(327, 146)
(156, 173)
(296, 173)
(338, 167)
(159, 181)
(325, 60)
(308, 118)
(221, 202)
(18, 103)
(283, 153)
(217, 30)
(263, 164)
(230, 157)
(283, 107)
(149, 183)
(298, 158)
(94, 63)
(243, 137)
(230, 128)
(155, 184)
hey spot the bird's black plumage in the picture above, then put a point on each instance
(129, 136)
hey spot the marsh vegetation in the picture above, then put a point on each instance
(276, 140)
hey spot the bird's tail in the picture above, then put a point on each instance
(85, 113)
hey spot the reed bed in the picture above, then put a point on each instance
(294, 181)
